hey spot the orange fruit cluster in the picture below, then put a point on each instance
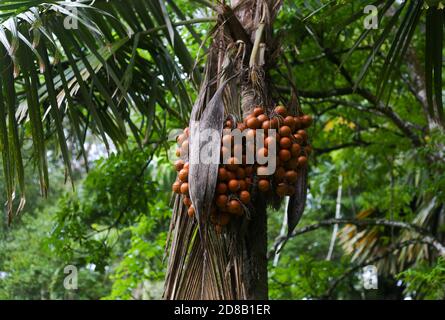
(292, 147)
(181, 185)
(238, 180)
(235, 179)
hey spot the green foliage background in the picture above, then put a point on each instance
(113, 226)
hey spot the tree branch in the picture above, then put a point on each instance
(426, 236)
(355, 143)
(403, 125)
(319, 94)
(177, 24)
(323, 55)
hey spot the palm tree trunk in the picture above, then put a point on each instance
(248, 13)
(255, 262)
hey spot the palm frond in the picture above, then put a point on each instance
(433, 62)
(398, 23)
(124, 60)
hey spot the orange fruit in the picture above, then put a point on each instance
(231, 175)
(185, 188)
(281, 189)
(291, 176)
(263, 185)
(176, 187)
(274, 123)
(257, 111)
(191, 212)
(282, 111)
(233, 185)
(250, 116)
(285, 143)
(179, 164)
(221, 188)
(290, 122)
(262, 117)
(303, 134)
(302, 161)
(183, 175)
(284, 155)
(298, 138)
(306, 120)
(229, 123)
(285, 131)
(244, 197)
(185, 146)
(180, 139)
(221, 201)
(214, 217)
(187, 201)
(234, 207)
(253, 123)
(295, 150)
(222, 174)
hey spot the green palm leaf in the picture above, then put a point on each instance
(397, 31)
(93, 78)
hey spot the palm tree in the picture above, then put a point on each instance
(122, 67)
(233, 265)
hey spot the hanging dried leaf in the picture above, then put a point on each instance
(297, 202)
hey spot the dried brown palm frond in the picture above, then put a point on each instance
(363, 243)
